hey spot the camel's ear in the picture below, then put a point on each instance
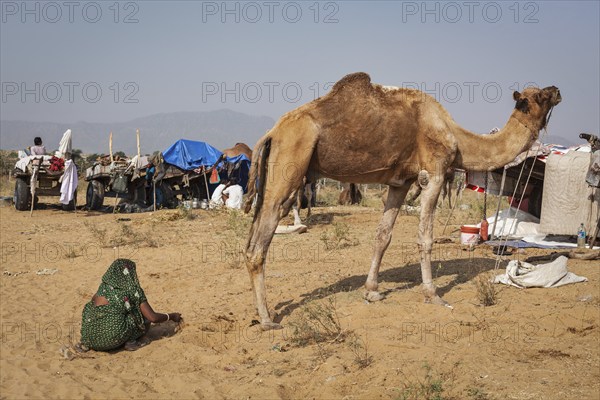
(516, 95)
(522, 103)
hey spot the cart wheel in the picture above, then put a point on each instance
(72, 203)
(22, 196)
(94, 196)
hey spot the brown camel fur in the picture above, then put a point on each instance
(367, 133)
(239, 148)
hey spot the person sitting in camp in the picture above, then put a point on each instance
(119, 313)
(38, 149)
(216, 200)
(233, 194)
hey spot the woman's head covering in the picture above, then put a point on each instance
(122, 275)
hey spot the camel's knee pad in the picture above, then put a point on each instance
(423, 179)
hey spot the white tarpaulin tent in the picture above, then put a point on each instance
(568, 200)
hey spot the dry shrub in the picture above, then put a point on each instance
(360, 349)
(317, 323)
(487, 294)
(430, 387)
(339, 237)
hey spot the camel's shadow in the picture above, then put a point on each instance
(409, 276)
(325, 218)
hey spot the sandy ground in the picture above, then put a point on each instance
(536, 343)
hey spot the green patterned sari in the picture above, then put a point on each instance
(107, 327)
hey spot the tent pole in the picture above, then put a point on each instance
(493, 234)
(33, 185)
(154, 193)
(137, 135)
(206, 184)
(110, 148)
(450, 214)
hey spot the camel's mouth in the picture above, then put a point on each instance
(555, 95)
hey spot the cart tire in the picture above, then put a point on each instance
(94, 197)
(72, 204)
(22, 197)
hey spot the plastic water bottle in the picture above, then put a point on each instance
(581, 237)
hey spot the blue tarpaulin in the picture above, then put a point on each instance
(190, 154)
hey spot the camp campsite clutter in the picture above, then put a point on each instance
(192, 169)
(46, 175)
(121, 178)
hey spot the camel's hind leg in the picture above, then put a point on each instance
(383, 237)
(292, 144)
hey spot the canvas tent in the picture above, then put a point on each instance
(557, 192)
(568, 200)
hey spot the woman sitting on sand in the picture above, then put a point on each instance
(118, 313)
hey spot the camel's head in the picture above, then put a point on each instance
(537, 103)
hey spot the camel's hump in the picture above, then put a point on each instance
(356, 81)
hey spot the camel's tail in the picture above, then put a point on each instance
(258, 173)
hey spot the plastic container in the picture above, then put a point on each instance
(581, 236)
(469, 234)
(484, 230)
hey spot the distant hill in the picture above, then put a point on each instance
(221, 129)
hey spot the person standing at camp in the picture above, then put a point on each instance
(233, 195)
(38, 149)
(119, 313)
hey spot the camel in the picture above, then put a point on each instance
(239, 148)
(362, 132)
(305, 195)
(350, 195)
(236, 150)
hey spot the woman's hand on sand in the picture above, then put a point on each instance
(175, 317)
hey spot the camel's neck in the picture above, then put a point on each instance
(488, 152)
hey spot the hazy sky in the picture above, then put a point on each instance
(106, 61)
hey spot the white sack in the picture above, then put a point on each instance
(525, 275)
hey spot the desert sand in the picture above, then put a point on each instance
(532, 344)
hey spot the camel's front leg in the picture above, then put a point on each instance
(383, 238)
(429, 197)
